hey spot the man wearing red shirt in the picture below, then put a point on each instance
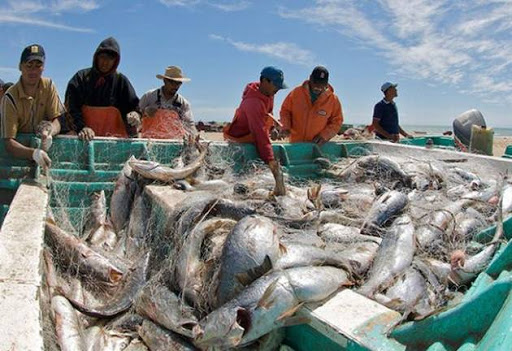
(253, 120)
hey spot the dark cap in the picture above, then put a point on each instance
(32, 52)
(275, 75)
(320, 74)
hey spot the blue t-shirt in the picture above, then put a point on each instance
(387, 114)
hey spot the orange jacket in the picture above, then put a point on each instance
(305, 120)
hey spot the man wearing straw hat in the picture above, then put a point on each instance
(167, 114)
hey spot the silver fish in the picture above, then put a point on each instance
(339, 233)
(75, 254)
(162, 306)
(304, 255)
(267, 304)
(154, 170)
(394, 256)
(251, 242)
(387, 205)
(122, 197)
(67, 326)
(159, 339)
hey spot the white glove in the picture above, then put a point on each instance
(46, 142)
(133, 118)
(42, 159)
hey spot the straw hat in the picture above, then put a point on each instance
(173, 73)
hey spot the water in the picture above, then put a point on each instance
(440, 129)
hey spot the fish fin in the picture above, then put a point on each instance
(290, 312)
(265, 300)
(282, 249)
(252, 274)
(296, 321)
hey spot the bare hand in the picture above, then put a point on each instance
(275, 168)
(319, 140)
(395, 138)
(150, 111)
(86, 134)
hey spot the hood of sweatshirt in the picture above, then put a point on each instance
(110, 45)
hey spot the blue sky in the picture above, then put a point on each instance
(447, 56)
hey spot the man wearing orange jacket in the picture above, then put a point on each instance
(312, 112)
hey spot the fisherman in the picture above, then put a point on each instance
(31, 105)
(167, 114)
(100, 100)
(385, 115)
(312, 112)
(253, 120)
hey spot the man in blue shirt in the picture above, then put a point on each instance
(385, 115)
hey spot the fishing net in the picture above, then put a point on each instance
(165, 219)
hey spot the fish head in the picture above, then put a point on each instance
(224, 327)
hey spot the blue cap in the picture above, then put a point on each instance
(387, 85)
(275, 75)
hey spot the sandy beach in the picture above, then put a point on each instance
(500, 142)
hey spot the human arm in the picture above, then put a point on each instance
(285, 116)
(188, 118)
(74, 100)
(256, 116)
(378, 129)
(404, 133)
(333, 125)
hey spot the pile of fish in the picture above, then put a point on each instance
(232, 264)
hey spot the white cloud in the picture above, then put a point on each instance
(288, 52)
(439, 41)
(227, 6)
(41, 23)
(41, 12)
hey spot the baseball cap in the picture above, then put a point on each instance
(32, 52)
(320, 75)
(275, 75)
(386, 86)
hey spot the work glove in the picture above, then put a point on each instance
(133, 118)
(44, 131)
(42, 159)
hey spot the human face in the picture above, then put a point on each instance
(317, 88)
(31, 72)
(391, 93)
(171, 87)
(268, 88)
(106, 61)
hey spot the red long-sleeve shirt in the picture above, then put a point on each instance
(251, 118)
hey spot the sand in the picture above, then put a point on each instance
(500, 143)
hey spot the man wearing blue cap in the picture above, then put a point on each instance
(253, 120)
(385, 115)
(32, 105)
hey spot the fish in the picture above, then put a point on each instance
(393, 257)
(123, 300)
(136, 345)
(68, 329)
(252, 242)
(155, 171)
(381, 167)
(159, 339)
(439, 221)
(298, 255)
(266, 305)
(385, 207)
(72, 252)
(122, 197)
(105, 339)
(139, 218)
(339, 233)
(97, 214)
(163, 307)
(189, 271)
(360, 256)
